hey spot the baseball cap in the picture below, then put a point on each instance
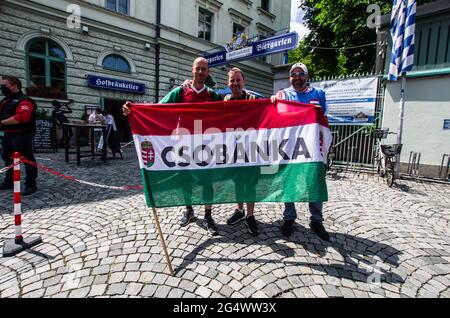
(299, 65)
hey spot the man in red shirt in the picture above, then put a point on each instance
(196, 92)
(18, 121)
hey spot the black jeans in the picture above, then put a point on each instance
(69, 132)
(22, 143)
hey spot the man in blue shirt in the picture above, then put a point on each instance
(300, 92)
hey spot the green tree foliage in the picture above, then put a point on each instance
(339, 24)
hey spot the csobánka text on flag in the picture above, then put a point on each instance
(236, 146)
(204, 155)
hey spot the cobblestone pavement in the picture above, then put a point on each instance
(385, 242)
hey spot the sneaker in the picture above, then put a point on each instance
(251, 225)
(210, 225)
(286, 227)
(188, 216)
(29, 190)
(5, 186)
(237, 217)
(320, 231)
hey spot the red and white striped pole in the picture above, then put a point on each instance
(17, 201)
(19, 244)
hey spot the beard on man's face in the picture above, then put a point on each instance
(298, 82)
(5, 91)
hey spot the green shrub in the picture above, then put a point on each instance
(42, 114)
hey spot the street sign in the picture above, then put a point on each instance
(276, 44)
(446, 124)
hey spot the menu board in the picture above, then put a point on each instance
(44, 140)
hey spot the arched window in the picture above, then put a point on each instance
(117, 63)
(46, 65)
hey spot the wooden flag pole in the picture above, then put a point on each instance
(163, 242)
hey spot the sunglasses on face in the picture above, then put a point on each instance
(301, 74)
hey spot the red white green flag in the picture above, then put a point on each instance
(228, 152)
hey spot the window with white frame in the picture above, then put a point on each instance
(116, 63)
(120, 6)
(238, 29)
(205, 20)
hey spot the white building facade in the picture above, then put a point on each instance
(104, 52)
(426, 118)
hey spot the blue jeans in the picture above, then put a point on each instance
(315, 208)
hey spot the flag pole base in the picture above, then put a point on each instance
(11, 248)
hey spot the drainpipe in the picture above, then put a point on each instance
(157, 48)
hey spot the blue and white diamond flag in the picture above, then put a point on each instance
(403, 25)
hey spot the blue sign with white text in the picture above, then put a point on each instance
(115, 84)
(446, 124)
(276, 44)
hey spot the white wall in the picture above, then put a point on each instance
(427, 105)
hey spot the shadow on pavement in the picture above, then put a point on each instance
(41, 255)
(354, 250)
(336, 175)
(407, 189)
(55, 191)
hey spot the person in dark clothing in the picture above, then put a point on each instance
(112, 139)
(59, 119)
(18, 121)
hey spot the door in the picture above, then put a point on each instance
(114, 107)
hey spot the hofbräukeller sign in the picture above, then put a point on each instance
(115, 84)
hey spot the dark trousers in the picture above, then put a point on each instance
(69, 132)
(22, 143)
(113, 140)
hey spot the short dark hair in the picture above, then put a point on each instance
(236, 70)
(13, 80)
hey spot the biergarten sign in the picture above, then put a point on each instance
(276, 44)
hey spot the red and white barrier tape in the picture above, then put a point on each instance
(3, 170)
(126, 145)
(58, 174)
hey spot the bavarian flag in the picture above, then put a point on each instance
(233, 151)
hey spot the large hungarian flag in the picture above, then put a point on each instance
(228, 152)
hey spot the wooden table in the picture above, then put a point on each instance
(78, 127)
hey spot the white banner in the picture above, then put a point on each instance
(262, 147)
(350, 101)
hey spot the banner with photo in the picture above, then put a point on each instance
(350, 101)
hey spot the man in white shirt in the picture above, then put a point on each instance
(96, 117)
